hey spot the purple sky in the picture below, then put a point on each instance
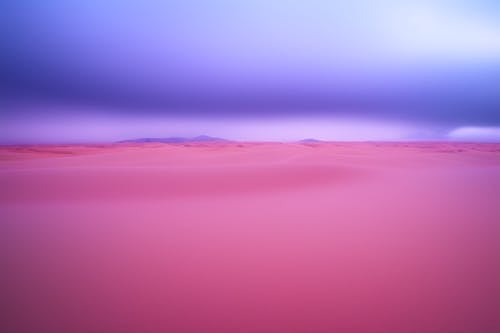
(250, 70)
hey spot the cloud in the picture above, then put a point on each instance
(434, 31)
(473, 133)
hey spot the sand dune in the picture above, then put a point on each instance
(250, 237)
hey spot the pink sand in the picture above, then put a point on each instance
(267, 237)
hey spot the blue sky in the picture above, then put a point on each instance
(433, 66)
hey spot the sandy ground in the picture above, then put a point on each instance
(250, 237)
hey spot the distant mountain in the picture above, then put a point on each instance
(206, 138)
(310, 141)
(199, 138)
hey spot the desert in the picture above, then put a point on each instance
(250, 237)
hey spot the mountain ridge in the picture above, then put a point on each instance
(176, 139)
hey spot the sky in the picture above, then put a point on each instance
(99, 71)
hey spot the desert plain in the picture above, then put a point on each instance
(250, 237)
